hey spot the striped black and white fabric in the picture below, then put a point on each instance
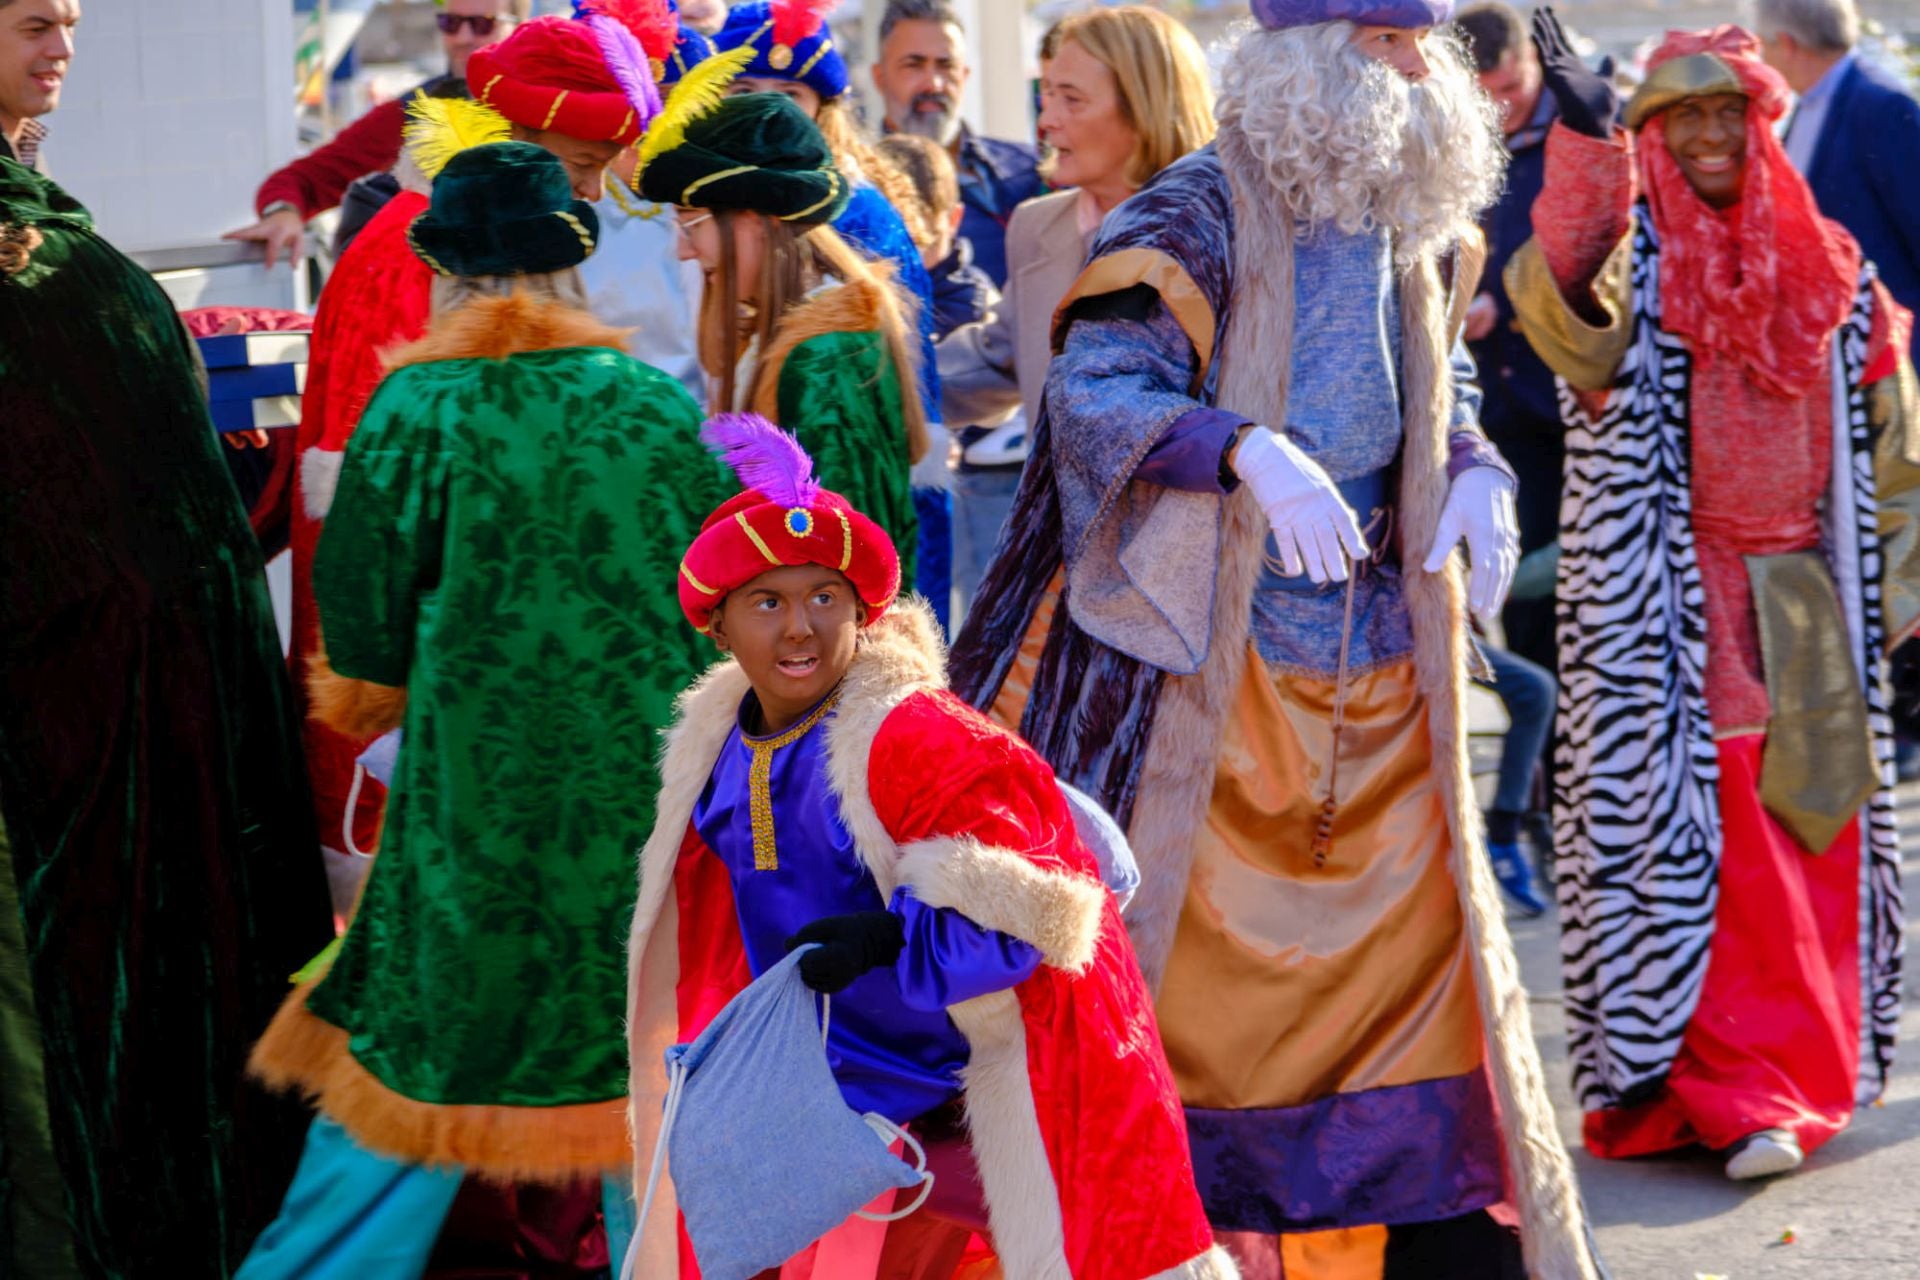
(1636, 814)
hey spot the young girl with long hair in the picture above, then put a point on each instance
(795, 324)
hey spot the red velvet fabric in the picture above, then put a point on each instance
(1775, 1042)
(747, 531)
(1762, 285)
(550, 74)
(376, 299)
(1104, 1097)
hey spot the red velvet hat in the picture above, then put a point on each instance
(590, 77)
(783, 518)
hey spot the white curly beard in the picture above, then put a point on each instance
(1348, 141)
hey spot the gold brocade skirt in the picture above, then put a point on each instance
(1290, 982)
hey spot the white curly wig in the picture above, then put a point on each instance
(1348, 141)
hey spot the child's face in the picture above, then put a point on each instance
(793, 630)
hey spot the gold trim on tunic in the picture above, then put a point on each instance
(766, 856)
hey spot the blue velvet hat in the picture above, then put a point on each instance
(689, 51)
(1277, 14)
(790, 41)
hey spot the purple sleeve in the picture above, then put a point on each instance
(1469, 449)
(948, 958)
(1190, 455)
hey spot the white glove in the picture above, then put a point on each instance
(1480, 509)
(1313, 527)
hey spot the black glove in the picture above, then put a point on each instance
(850, 945)
(1588, 103)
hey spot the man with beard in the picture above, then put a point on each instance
(1227, 594)
(921, 73)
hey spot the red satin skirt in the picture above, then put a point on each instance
(1775, 1042)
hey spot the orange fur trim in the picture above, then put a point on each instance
(495, 328)
(555, 1145)
(356, 708)
(848, 308)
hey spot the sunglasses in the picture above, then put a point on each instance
(481, 24)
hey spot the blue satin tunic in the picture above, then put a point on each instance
(892, 1046)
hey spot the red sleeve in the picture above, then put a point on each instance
(940, 768)
(1585, 205)
(713, 960)
(315, 182)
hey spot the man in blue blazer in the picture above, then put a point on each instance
(1855, 133)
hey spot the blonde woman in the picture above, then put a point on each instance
(794, 323)
(1123, 94)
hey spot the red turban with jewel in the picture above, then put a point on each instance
(784, 518)
(591, 77)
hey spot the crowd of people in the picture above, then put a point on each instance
(1021, 597)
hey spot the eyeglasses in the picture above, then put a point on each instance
(481, 24)
(688, 224)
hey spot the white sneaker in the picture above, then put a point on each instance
(1764, 1154)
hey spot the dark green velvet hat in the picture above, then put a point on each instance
(504, 209)
(757, 151)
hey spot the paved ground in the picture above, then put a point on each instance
(1854, 1209)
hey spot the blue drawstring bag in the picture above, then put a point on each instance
(767, 1156)
(1107, 842)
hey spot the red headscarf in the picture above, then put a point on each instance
(1766, 282)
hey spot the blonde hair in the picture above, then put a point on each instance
(1161, 74)
(793, 262)
(858, 158)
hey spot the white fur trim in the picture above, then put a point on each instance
(1003, 1128)
(1005, 891)
(319, 477)
(1214, 1264)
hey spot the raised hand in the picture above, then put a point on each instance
(1588, 103)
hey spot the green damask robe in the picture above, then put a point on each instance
(837, 391)
(504, 543)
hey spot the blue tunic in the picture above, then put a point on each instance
(892, 1046)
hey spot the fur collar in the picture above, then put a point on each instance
(853, 307)
(495, 328)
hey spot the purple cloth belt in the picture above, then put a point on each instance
(1408, 1153)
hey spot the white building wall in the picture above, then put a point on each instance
(172, 114)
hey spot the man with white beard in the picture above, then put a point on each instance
(1226, 605)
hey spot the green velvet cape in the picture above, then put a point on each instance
(159, 875)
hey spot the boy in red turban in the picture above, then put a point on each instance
(823, 786)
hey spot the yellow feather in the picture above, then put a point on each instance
(438, 129)
(697, 94)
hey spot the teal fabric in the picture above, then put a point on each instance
(353, 1215)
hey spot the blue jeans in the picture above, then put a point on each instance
(982, 500)
(1529, 693)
